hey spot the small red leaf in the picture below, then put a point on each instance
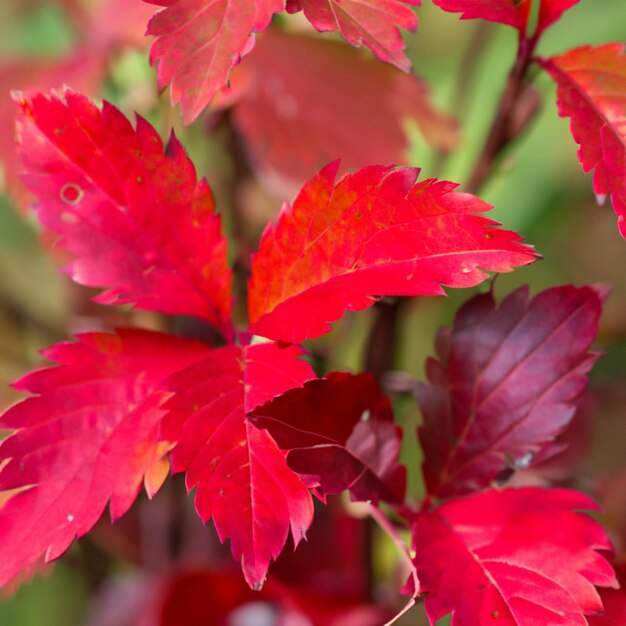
(115, 199)
(89, 435)
(506, 383)
(293, 126)
(592, 93)
(614, 603)
(374, 23)
(242, 478)
(200, 41)
(514, 13)
(340, 434)
(517, 557)
(375, 232)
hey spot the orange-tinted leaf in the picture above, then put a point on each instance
(375, 232)
(506, 383)
(373, 23)
(132, 214)
(517, 557)
(592, 93)
(200, 41)
(88, 436)
(293, 125)
(242, 478)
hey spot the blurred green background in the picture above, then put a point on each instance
(538, 190)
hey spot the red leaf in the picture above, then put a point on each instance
(340, 434)
(115, 197)
(514, 13)
(592, 93)
(293, 125)
(242, 477)
(375, 23)
(89, 435)
(376, 232)
(614, 602)
(200, 41)
(517, 557)
(506, 383)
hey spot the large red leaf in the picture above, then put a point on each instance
(293, 125)
(375, 23)
(88, 436)
(592, 93)
(514, 13)
(340, 434)
(133, 216)
(375, 232)
(242, 478)
(506, 382)
(519, 557)
(200, 41)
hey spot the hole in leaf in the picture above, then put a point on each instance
(71, 193)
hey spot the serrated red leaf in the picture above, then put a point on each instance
(506, 382)
(614, 603)
(241, 476)
(200, 41)
(340, 434)
(373, 23)
(518, 557)
(88, 436)
(375, 232)
(591, 91)
(514, 13)
(293, 126)
(115, 197)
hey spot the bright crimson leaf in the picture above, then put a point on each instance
(293, 126)
(88, 436)
(592, 93)
(514, 13)
(340, 434)
(200, 41)
(375, 23)
(115, 197)
(506, 382)
(518, 557)
(375, 232)
(242, 478)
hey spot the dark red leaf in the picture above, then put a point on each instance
(375, 232)
(200, 41)
(592, 93)
(518, 557)
(506, 382)
(241, 476)
(293, 125)
(374, 23)
(340, 434)
(88, 436)
(614, 602)
(115, 198)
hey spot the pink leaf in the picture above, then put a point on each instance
(340, 434)
(591, 91)
(115, 198)
(375, 232)
(374, 23)
(516, 13)
(242, 478)
(506, 383)
(200, 41)
(88, 436)
(293, 126)
(517, 557)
